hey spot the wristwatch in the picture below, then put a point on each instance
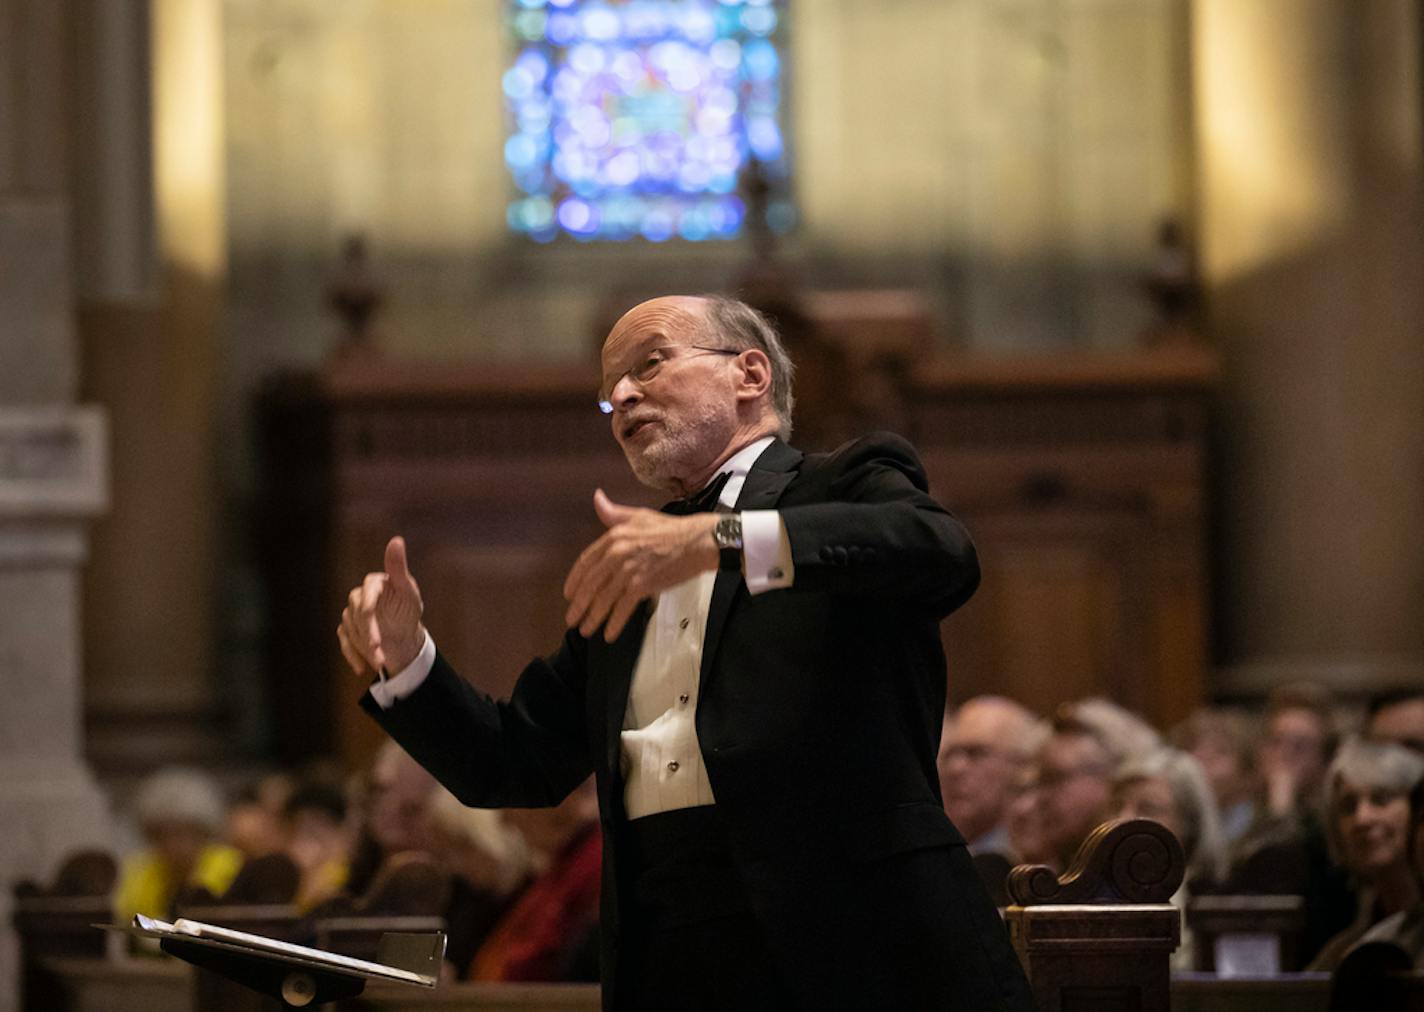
(728, 536)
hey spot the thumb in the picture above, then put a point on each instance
(609, 511)
(396, 567)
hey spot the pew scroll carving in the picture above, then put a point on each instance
(1130, 861)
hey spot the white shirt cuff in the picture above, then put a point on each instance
(385, 691)
(766, 552)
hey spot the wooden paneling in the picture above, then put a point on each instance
(1081, 481)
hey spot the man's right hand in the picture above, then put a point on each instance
(380, 627)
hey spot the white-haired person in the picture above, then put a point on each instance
(1169, 786)
(180, 812)
(1367, 826)
(491, 865)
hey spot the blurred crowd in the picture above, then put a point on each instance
(516, 889)
(1291, 799)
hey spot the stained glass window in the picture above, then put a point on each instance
(640, 117)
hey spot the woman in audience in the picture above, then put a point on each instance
(1406, 928)
(1168, 786)
(180, 812)
(1367, 824)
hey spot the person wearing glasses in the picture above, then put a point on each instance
(755, 678)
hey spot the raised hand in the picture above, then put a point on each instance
(642, 553)
(380, 627)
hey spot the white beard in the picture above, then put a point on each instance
(681, 449)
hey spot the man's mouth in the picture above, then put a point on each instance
(636, 426)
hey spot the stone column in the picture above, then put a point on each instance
(1308, 121)
(153, 268)
(53, 472)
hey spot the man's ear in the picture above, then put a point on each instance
(755, 380)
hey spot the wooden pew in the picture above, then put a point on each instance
(1291, 992)
(1099, 938)
(144, 984)
(1247, 935)
(54, 921)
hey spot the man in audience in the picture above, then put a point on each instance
(396, 817)
(1398, 717)
(1075, 772)
(1076, 767)
(1300, 739)
(1222, 739)
(984, 749)
(1284, 850)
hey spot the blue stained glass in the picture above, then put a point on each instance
(637, 117)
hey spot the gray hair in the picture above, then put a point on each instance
(1122, 734)
(1204, 840)
(180, 794)
(1368, 766)
(734, 324)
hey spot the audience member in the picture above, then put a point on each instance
(180, 812)
(1299, 741)
(1406, 928)
(1398, 717)
(1076, 766)
(396, 814)
(984, 750)
(550, 933)
(490, 863)
(1168, 786)
(1024, 820)
(319, 842)
(1223, 741)
(255, 824)
(1367, 788)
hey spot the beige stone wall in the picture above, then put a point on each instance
(1022, 148)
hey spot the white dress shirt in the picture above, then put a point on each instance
(661, 758)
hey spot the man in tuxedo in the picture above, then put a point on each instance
(755, 678)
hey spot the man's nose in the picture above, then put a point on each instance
(625, 393)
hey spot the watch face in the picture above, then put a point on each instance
(728, 532)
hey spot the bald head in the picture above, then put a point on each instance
(982, 754)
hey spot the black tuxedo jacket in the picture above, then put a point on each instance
(819, 715)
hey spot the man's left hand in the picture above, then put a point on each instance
(643, 553)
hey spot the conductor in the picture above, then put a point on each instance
(755, 678)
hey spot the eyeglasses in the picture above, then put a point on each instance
(651, 364)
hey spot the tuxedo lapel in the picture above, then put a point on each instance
(768, 478)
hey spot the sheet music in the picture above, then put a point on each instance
(198, 929)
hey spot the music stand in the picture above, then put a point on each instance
(293, 974)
